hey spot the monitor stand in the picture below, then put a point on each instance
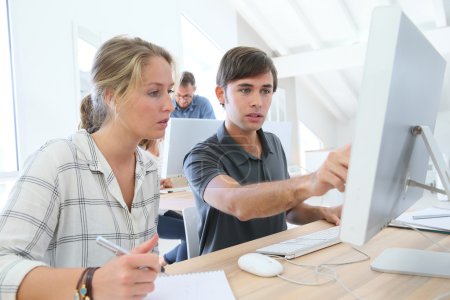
(436, 157)
(412, 261)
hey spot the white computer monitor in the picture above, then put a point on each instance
(402, 82)
(183, 134)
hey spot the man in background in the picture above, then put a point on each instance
(189, 105)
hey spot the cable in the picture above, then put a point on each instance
(422, 234)
(321, 270)
(447, 294)
(443, 296)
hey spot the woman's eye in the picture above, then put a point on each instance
(171, 92)
(153, 93)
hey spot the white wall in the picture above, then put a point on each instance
(43, 53)
(442, 132)
(247, 36)
(216, 18)
(345, 132)
(315, 116)
(288, 85)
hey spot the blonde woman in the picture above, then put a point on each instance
(96, 182)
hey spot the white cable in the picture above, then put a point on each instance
(319, 270)
(334, 276)
(345, 287)
(423, 234)
(443, 296)
(447, 294)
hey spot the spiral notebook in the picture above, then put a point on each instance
(192, 286)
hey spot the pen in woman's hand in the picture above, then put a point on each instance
(116, 249)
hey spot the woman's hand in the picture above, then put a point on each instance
(128, 276)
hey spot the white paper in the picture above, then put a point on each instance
(192, 286)
(440, 224)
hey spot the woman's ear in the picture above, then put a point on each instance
(110, 102)
(107, 97)
(220, 94)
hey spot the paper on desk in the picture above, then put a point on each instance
(439, 224)
(192, 286)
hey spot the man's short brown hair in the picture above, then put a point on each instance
(187, 78)
(243, 62)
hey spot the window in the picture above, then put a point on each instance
(85, 46)
(201, 57)
(8, 145)
(277, 111)
(311, 146)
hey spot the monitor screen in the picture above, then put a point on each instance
(402, 82)
(183, 134)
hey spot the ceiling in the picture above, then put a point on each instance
(322, 42)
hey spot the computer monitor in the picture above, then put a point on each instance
(183, 134)
(401, 89)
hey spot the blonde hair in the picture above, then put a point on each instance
(117, 68)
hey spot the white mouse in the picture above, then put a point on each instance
(260, 264)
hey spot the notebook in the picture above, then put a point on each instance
(433, 224)
(192, 286)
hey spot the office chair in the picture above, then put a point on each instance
(190, 228)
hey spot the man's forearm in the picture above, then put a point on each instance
(304, 213)
(258, 200)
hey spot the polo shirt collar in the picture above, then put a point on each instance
(225, 139)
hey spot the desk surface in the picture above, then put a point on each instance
(364, 282)
(176, 201)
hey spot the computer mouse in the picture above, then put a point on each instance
(260, 264)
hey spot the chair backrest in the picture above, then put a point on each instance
(190, 217)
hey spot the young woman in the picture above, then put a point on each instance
(97, 182)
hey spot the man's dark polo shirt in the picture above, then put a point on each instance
(219, 155)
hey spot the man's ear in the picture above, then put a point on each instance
(220, 94)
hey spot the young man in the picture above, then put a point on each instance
(239, 175)
(189, 105)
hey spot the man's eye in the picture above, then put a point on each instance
(266, 91)
(245, 91)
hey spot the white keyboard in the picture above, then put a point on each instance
(304, 244)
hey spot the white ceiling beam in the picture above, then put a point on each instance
(324, 97)
(320, 60)
(349, 19)
(310, 31)
(440, 13)
(344, 57)
(340, 90)
(265, 31)
(440, 38)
